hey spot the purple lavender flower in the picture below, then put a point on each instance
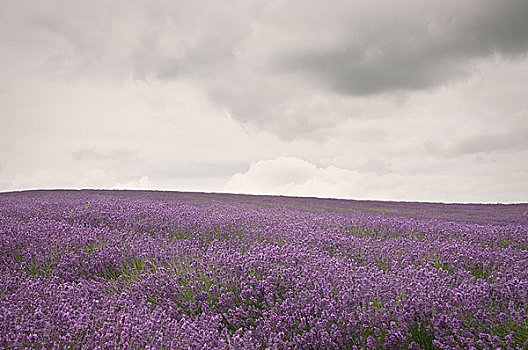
(138, 269)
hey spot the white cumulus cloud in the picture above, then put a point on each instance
(298, 177)
(294, 176)
(143, 183)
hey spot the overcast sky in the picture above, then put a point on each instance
(397, 100)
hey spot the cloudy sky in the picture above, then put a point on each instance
(398, 100)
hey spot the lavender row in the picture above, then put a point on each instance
(152, 270)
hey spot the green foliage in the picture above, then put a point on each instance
(40, 268)
(152, 301)
(331, 250)
(109, 273)
(376, 304)
(90, 248)
(517, 331)
(513, 333)
(130, 270)
(511, 243)
(378, 333)
(383, 263)
(421, 336)
(281, 240)
(179, 234)
(480, 272)
(18, 257)
(440, 264)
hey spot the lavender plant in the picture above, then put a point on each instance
(172, 270)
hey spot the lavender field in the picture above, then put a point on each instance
(172, 270)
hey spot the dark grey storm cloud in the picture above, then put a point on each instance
(270, 64)
(403, 51)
